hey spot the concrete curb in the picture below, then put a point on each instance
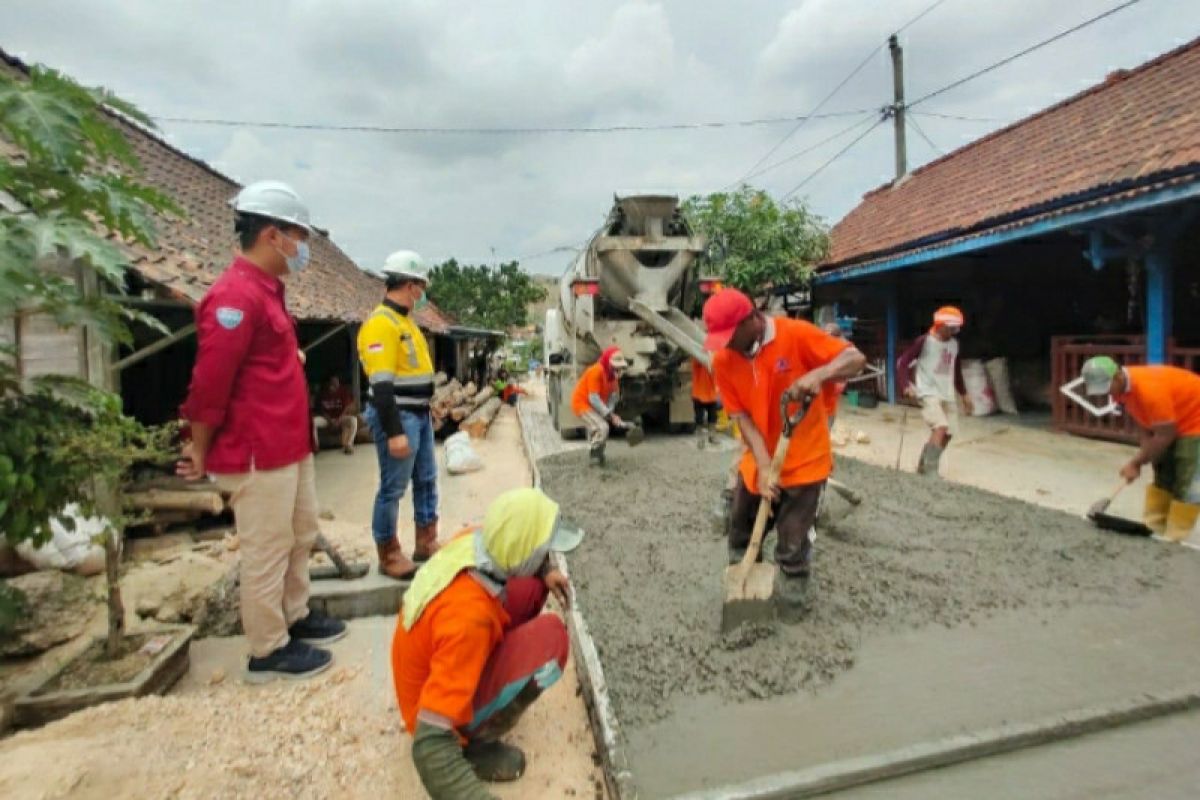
(601, 717)
(840, 775)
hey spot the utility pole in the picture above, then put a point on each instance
(898, 105)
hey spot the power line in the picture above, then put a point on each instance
(805, 118)
(921, 133)
(811, 115)
(917, 18)
(960, 117)
(835, 157)
(1026, 51)
(813, 147)
(497, 131)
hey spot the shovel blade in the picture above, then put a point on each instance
(635, 435)
(748, 595)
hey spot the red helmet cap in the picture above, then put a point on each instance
(723, 312)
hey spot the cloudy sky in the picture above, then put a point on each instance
(566, 63)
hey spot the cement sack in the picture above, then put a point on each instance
(460, 456)
(997, 371)
(78, 550)
(983, 400)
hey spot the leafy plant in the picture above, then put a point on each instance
(756, 243)
(496, 298)
(68, 211)
(73, 202)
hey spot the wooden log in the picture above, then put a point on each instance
(439, 379)
(166, 500)
(478, 423)
(470, 389)
(482, 396)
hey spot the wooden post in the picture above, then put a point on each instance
(893, 334)
(1160, 301)
(98, 366)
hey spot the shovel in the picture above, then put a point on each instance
(634, 435)
(748, 584)
(1116, 524)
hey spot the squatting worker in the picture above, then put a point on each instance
(938, 377)
(396, 358)
(1165, 404)
(757, 361)
(248, 411)
(595, 401)
(704, 404)
(472, 649)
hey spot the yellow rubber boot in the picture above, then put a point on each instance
(1180, 520)
(1158, 502)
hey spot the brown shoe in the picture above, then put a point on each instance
(393, 562)
(427, 543)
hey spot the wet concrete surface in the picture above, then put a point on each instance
(939, 608)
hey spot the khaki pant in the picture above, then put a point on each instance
(597, 427)
(276, 515)
(939, 413)
(348, 424)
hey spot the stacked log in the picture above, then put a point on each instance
(453, 403)
(164, 501)
(481, 419)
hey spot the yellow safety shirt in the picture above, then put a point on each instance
(396, 358)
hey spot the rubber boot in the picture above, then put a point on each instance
(793, 596)
(1158, 504)
(1181, 519)
(392, 561)
(712, 436)
(506, 718)
(931, 456)
(701, 436)
(427, 542)
(495, 762)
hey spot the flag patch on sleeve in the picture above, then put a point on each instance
(229, 318)
(375, 347)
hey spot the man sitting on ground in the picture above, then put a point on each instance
(336, 409)
(472, 649)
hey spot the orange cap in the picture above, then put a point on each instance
(948, 315)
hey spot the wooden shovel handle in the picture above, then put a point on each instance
(764, 505)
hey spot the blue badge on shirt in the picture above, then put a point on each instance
(229, 318)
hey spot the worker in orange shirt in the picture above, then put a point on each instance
(704, 403)
(757, 362)
(472, 649)
(1165, 403)
(595, 401)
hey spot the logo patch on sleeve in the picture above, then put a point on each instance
(229, 318)
(375, 347)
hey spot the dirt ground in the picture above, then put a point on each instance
(338, 736)
(917, 553)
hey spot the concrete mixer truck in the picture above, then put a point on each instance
(637, 286)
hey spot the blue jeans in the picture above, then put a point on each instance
(395, 473)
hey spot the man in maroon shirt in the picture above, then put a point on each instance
(336, 409)
(248, 411)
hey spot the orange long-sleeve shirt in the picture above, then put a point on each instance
(437, 665)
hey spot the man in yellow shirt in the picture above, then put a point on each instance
(396, 358)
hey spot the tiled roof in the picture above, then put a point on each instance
(194, 249)
(1137, 129)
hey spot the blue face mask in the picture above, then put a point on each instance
(299, 261)
(422, 301)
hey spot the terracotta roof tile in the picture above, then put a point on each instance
(192, 250)
(1138, 125)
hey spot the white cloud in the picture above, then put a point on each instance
(532, 63)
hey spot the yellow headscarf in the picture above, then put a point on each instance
(517, 525)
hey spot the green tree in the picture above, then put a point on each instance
(68, 206)
(754, 242)
(493, 297)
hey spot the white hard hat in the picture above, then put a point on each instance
(404, 265)
(274, 200)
